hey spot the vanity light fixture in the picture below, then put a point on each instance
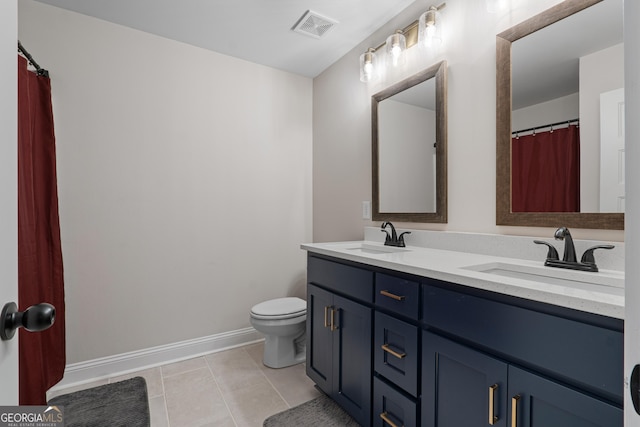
(426, 30)
(368, 65)
(396, 45)
(430, 26)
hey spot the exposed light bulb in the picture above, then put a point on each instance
(396, 44)
(431, 31)
(430, 27)
(395, 53)
(367, 65)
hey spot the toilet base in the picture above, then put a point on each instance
(281, 352)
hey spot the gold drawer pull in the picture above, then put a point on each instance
(492, 393)
(387, 420)
(392, 296)
(333, 320)
(326, 316)
(514, 410)
(386, 348)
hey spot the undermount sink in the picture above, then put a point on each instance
(370, 248)
(600, 282)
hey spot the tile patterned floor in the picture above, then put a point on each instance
(230, 388)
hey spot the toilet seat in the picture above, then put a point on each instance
(280, 308)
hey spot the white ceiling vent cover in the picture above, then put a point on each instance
(313, 24)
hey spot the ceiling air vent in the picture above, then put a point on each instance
(314, 25)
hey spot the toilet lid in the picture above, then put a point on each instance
(281, 307)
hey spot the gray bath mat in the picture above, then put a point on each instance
(121, 404)
(321, 411)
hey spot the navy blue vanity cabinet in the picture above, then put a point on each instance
(461, 386)
(398, 295)
(339, 330)
(320, 337)
(535, 401)
(465, 387)
(391, 407)
(396, 350)
(517, 362)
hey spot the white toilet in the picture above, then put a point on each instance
(283, 322)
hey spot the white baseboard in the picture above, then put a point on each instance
(120, 364)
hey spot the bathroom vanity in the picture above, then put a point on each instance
(429, 337)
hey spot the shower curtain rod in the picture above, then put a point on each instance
(41, 71)
(565, 122)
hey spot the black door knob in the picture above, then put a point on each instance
(635, 388)
(35, 318)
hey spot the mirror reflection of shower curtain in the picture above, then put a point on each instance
(40, 275)
(545, 171)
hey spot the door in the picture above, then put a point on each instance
(537, 402)
(8, 192)
(632, 228)
(319, 337)
(352, 359)
(612, 196)
(460, 386)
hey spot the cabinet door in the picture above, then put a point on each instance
(460, 386)
(352, 359)
(537, 402)
(319, 337)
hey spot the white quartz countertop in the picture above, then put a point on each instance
(600, 293)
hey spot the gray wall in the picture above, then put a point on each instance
(342, 125)
(184, 180)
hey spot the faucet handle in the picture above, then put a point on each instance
(401, 239)
(552, 253)
(588, 257)
(388, 238)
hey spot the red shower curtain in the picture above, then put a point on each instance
(40, 279)
(545, 171)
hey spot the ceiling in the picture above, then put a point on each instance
(259, 31)
(545, 64)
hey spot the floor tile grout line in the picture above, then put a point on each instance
(166, 410)
(183, 372)
(268, 380)
(201, 368)
(164, 397)
(233, 419)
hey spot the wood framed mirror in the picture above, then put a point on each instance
(509, 99)
(409, 149)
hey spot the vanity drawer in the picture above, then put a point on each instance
(398, 295)
(392, 405)
(575, 352)
(344, 279)
(396, 352)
